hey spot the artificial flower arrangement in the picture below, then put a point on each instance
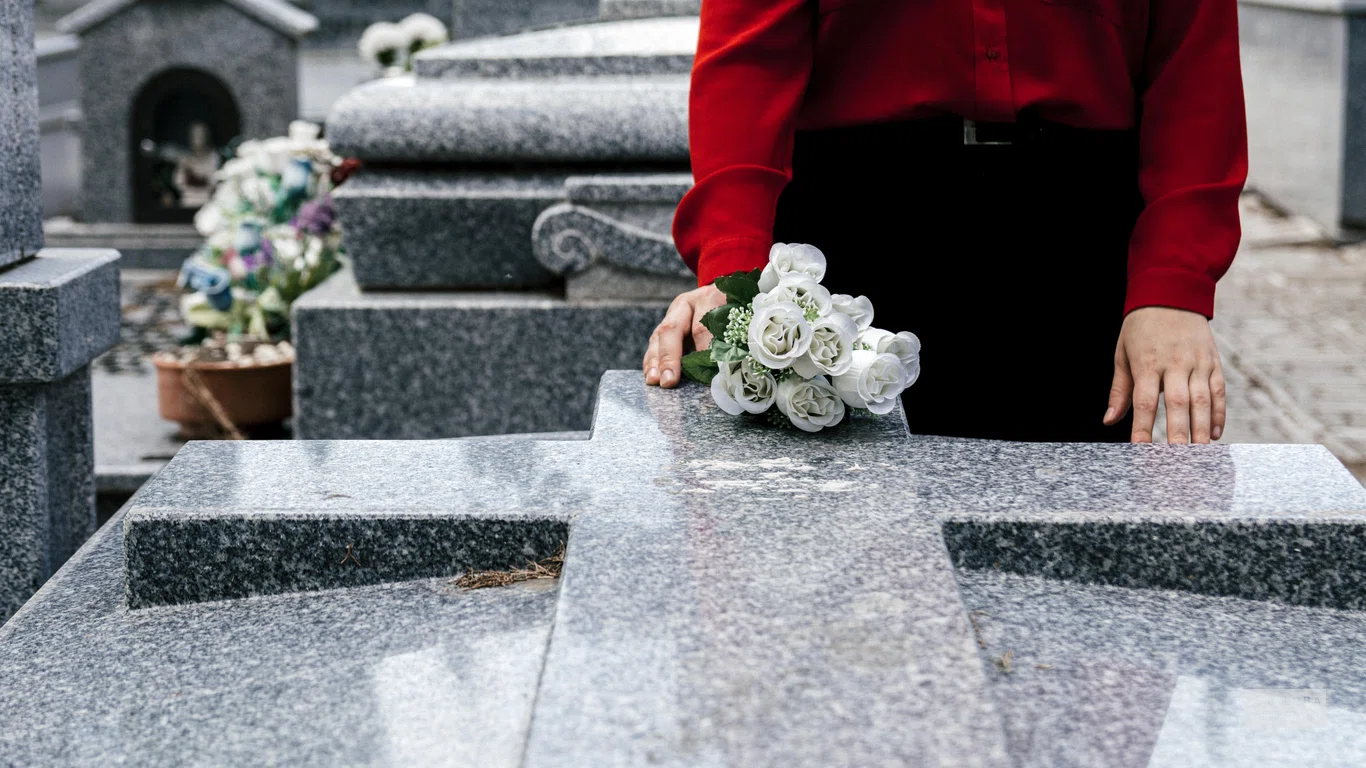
(393, 46)
(271, 233)
(782, 339)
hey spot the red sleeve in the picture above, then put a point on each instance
(753, 61)
(1192, 156)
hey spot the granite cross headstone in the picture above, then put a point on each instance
(732, 594)
(58, 309)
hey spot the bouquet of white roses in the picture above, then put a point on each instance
(783, 340)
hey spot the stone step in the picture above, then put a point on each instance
(422, 365)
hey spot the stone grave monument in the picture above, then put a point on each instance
(166, 86)
(58, 310)
(732, 594)
(509, 233)
(1304, 73)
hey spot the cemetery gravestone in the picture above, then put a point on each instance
(732, 594)
(58, 310)
(509, 232)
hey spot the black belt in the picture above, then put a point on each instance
(957, 131)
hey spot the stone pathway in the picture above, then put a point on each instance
(1291, 321)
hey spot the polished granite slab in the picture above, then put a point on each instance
(732, 595)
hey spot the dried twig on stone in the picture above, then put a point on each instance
(194, 384)
(548, 568)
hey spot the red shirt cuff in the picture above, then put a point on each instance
(1171, 287)
(726, 257)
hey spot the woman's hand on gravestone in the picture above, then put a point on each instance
(664, 359)
(1170, 351)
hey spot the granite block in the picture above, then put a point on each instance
(655, 46)
(58, 311)
(21, 222)
(605, 258)
(642, 9)
(341, 22)
(574, 121)
(445, 229)
(256, 61)
(732, 594)
(417, 673)
(47, 488)
(479, 18)
(1111, 676)
(429, 365)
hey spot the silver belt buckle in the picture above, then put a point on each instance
(970, 136)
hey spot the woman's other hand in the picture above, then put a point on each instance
(664, 359)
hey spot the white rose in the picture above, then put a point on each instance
(797, 258)
(905, 345)
(209, 220)
(832, 347)
(800, 290)
(383, 43)
(860, 309)
(810, 404)
(778, 334)
(873, 381)
(738, 389)
(313, 255)
(424, 30)
(303, 132)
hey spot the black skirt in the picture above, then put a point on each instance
(1007, 260)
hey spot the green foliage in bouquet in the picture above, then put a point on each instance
(271, 234)
(728, 331)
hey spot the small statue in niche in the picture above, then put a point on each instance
(195, 169)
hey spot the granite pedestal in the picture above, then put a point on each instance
(21, 221)
(509, 232)
(732, 594)
(1304, 73)
(58, 310)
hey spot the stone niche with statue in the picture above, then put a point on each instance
(168, 88)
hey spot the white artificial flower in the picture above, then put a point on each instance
(738, 389)
(873, 381)
(785, 259)
(800, 290)
(810, 404)
(384, 43)
(859, 308)
(313, 254)
(832, 347)
(905, 345)
(778, 334)
(424, 31)
(258, 193)
(209, 220)
(288, 250)
(304, 132)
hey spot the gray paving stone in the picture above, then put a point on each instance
(21, 226)
(732, 594)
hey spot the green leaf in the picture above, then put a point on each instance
(740, 288)
(699, 367)
(717, 319)
(721, 352)
(754, 274)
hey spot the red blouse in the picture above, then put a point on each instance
(766, 68)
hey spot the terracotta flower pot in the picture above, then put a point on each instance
(250, 395)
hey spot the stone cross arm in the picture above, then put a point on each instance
(732, 594)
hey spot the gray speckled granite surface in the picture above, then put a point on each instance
(21, 222)
(58, 311)
(732, 595)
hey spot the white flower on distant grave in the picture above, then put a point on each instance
(258, 193)
(810, 404)
(801, 290)
(873, 381)
(832, 347)
(796, 258)
(209, 220)
(289, 251)
(859, 308)
(779, 334)
(905, 345)
(384, 44)
(741, 388)
(313, 254)
(424, 31)
(303, 132)
(237, 168)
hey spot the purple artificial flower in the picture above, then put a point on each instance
(316, 216)
(260, 257)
